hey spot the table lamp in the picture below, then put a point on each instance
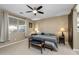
(62, 30)
(36, 30)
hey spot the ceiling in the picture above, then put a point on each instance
(50, 10)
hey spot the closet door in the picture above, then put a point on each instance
(70, 29)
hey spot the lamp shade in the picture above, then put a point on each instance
(62, 30)
(36, 29)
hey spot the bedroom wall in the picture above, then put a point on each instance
(21, 35)
(53, 25)
(4, 36)
(30, 30)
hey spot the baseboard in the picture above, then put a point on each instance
(11, 43)
(75, 49)
(2, 41)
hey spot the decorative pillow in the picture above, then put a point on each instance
(42, 33)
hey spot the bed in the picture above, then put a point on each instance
(49, 39)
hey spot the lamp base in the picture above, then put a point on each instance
(62, 34)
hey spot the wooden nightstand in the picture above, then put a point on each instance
(62, 39)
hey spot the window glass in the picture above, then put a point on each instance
(12, 25)
(21, 26)
(16, 25)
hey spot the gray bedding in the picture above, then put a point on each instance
(51, 39)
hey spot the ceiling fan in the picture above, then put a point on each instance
(35, 10)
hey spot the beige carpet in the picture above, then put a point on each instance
(21, 48)
(77, 52)
(8, 42)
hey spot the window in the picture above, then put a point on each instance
(16, 25)
(21, 26)
(12, 25)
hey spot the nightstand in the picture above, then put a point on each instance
(62, 39)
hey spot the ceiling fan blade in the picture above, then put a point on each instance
(39, 7)
(40, 12)
(28, 11)
(29, 7)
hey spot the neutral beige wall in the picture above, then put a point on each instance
(30, 30)
(17, 36)
(21, 35)
(53, 25)
(4, 36)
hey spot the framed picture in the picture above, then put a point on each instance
(78, 22)
(30, 25)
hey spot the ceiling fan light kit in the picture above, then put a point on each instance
(35, 10)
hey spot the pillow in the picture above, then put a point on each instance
(50, 34)
(42, 33)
